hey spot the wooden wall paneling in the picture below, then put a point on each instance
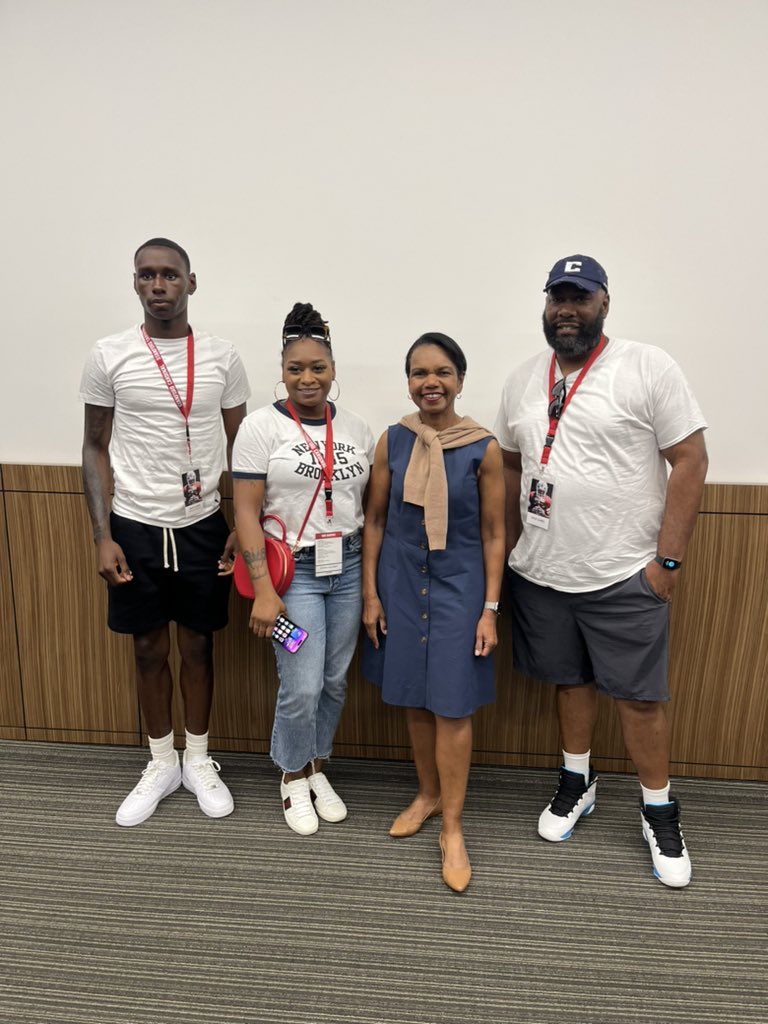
(739, 499)
(719, 649)
(77, 677)
(45, 479)
(245, 675)
(718, 716)
(11, 702)
(367, 723)
(245, 685)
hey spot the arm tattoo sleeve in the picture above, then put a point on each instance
(256, 562)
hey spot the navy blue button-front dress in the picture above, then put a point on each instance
(432, 599)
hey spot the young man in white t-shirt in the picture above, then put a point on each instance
(593, 425)
(162, 408)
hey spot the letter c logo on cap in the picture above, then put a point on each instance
(573, 267)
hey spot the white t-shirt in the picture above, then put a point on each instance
(148, 449)
(269, 446)
(606, 466)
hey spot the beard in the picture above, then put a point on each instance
(574, 346)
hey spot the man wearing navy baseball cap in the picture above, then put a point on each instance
(593, 423)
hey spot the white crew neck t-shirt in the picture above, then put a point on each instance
(269, 446)
(148, 449)
(606, 466)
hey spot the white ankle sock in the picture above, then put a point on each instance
(577, 763)
(197, 747)
(162, 749)
(655, 796)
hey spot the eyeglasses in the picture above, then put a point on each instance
(293, 333)
(558, 399)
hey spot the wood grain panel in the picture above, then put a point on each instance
(75, 674)
(128, 739)
(11, 702)
(44, 479)
(13, 732)
(719, 653)
(740, 499)
(719, 650)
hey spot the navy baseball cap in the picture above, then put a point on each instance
(582, 271)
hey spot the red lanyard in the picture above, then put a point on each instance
(325, 464)
(184, 408)
(554, 420)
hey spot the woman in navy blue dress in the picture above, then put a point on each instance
(433, 560)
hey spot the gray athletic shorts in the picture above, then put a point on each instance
(615, 637)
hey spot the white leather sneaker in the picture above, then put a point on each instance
(297, 807)
(328, 804)
(202, 779)
(158, 780)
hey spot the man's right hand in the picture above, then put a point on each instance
(111, 563)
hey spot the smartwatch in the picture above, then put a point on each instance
(668, 563)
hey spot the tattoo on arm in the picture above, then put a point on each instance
(256, 562)
(96, 468)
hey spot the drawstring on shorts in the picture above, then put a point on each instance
(168, 532)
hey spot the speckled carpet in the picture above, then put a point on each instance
(238, 921)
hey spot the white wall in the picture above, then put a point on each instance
(406, 166)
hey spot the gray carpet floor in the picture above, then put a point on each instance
(238, 921)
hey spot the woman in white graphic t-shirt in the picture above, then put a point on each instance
(307, 461)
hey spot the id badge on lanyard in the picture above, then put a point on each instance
(539, 506)
(541, 489)
(328, 554)
(191, 481)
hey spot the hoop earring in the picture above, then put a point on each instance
(279, 398)
(338, 391)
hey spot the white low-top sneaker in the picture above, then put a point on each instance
(297, 807)
(662, 832)
(574, 799)
(328, 803)
(202, 779)
(157, 781)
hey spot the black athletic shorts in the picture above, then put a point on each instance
(616, 637)
(175, 576)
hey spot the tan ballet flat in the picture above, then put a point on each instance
(403, 826)
(455, 878)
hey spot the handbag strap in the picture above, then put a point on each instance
(295, 547)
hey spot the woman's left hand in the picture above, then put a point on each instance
(227, 560)
(485, 634)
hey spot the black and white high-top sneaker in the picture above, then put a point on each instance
(574, 798)
(662, 832)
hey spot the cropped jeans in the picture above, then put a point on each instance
(313, 681)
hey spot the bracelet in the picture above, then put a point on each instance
(491, 606)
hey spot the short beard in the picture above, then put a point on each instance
(574, 346)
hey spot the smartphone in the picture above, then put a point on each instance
(288, 634)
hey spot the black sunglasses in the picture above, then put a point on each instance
(558, 399)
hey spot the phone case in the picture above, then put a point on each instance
(288, 634)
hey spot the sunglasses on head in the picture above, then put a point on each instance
(292, 333)
(558, 399)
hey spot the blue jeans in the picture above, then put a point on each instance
(313, 681)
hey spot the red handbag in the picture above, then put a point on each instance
(280, 564)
